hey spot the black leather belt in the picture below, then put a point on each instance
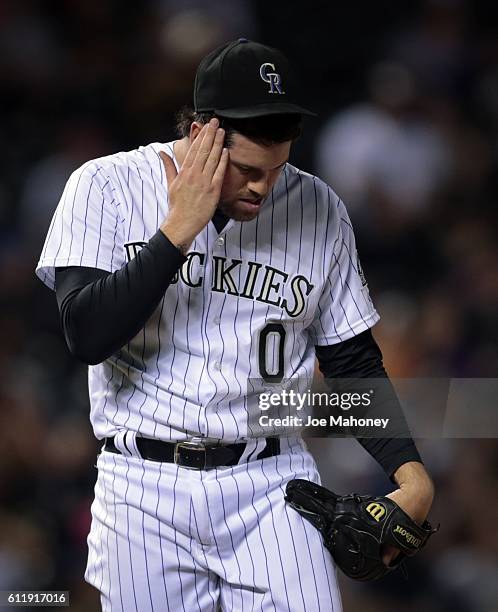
(195, 455)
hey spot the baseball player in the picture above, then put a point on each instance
(189, 275)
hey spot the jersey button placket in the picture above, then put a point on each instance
(219, 242)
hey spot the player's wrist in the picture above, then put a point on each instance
(416, 490)
(181, 238)
(413, 474)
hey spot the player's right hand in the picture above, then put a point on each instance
(194, 191)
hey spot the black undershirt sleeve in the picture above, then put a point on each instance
(101, 311)
(360, 357)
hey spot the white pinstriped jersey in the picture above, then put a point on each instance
(249, 302)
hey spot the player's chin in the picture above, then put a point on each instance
(246, 216)
(245, 210)
(240, 210)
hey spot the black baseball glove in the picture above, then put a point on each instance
(355, 528)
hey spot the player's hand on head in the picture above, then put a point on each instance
(194, 191)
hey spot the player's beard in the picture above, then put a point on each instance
(239, 211)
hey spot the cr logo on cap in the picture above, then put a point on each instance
(271, 77)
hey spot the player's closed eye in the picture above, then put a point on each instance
(244, 169)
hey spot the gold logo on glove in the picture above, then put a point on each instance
(376, 510)
(409, 537)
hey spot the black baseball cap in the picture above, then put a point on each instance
(245, 79)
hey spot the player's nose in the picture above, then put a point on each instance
(259, 187)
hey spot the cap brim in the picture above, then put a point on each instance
(260, 110)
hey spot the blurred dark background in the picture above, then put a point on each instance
(407, 134)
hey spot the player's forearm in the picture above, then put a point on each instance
(360, 358)
(101, 312)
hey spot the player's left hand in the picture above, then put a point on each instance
(356, 528)
(415, 496)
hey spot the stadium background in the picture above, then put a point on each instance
(407, 133)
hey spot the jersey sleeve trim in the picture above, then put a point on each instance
(45, 269)
(353, 330)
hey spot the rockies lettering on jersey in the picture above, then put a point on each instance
(225, 283)
(293, 271)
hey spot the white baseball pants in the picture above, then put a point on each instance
(166, 538)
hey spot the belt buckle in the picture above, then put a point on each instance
(190, 447)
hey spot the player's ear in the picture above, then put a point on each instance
(195, 128)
